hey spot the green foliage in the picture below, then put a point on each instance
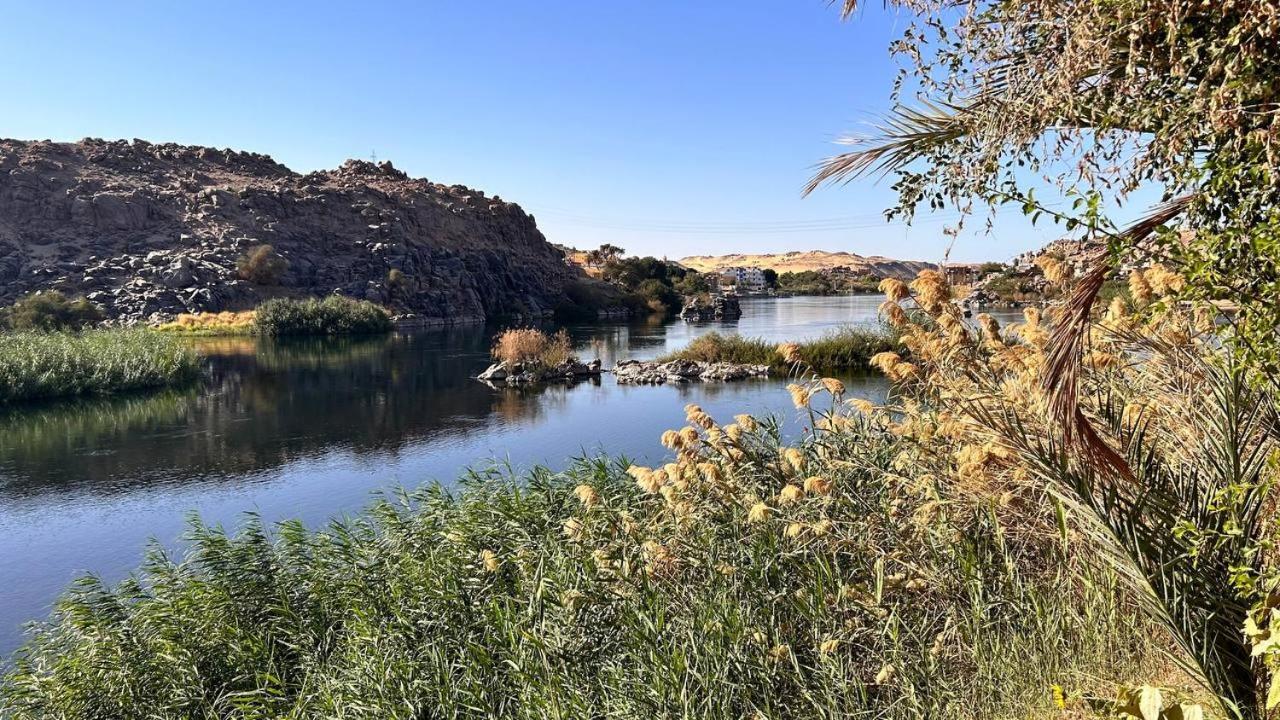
(652, 280)
(334, 315)
(35, 366)
(812, 282)
(478, 605)
(586, 297)
(262, 265)
(49, 311)
(846, 349)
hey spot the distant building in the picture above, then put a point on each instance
(961, 274)
(745, 279)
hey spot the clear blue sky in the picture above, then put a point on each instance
(672, 127)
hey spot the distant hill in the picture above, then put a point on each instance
(812, 260)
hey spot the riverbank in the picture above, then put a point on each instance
(37, 366)
(821, 584)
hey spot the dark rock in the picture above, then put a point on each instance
(177, 219)
(711, 309)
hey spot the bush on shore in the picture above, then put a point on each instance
(36, 366)
(532, 346)
(334, 315)
(48, 311)
(847, 349)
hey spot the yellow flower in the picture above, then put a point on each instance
(571, 599)
(885, 361)
(1055, 271)
(702, 420)
(990, 328)
(829, 646)
(833, 386)
(1139, 289)
(799, 395)
(816, 485)
(886, 674)
(894, 289)
(790, 352)
(489, 560)
(760, 512)
(794, 458)
(790, 494)
(1059, 697)
(893, 313)
(586, 495)
(866, 407)
(572, 528)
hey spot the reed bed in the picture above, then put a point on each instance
(695, 589)
(842, 350)
(334, 315)
(35, 366)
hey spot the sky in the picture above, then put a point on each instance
(670, 127)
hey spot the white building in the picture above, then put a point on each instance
(745, 279)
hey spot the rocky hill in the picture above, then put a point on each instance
(812, 260)
(150, 230)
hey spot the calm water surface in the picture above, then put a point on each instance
(312, 429)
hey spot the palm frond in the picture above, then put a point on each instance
(1137, 523)
(902, 137)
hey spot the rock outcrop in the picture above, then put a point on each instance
(504, 373)
(715, 308)
(638, 372)
(150, 230)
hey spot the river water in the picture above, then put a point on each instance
(312, 429)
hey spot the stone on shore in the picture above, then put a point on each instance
(637, 372)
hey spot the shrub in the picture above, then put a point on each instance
(529, 345)
(51, 310)
(397, 281)
(334, 315)
(262, 265)
(46, 365)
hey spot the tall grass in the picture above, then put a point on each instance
(334, 315)
(532, 346)
(46, 365)
(845, 349)
(586, 595)
(210, 324)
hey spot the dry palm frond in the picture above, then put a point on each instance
(1067, 346)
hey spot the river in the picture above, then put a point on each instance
(313, 429)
